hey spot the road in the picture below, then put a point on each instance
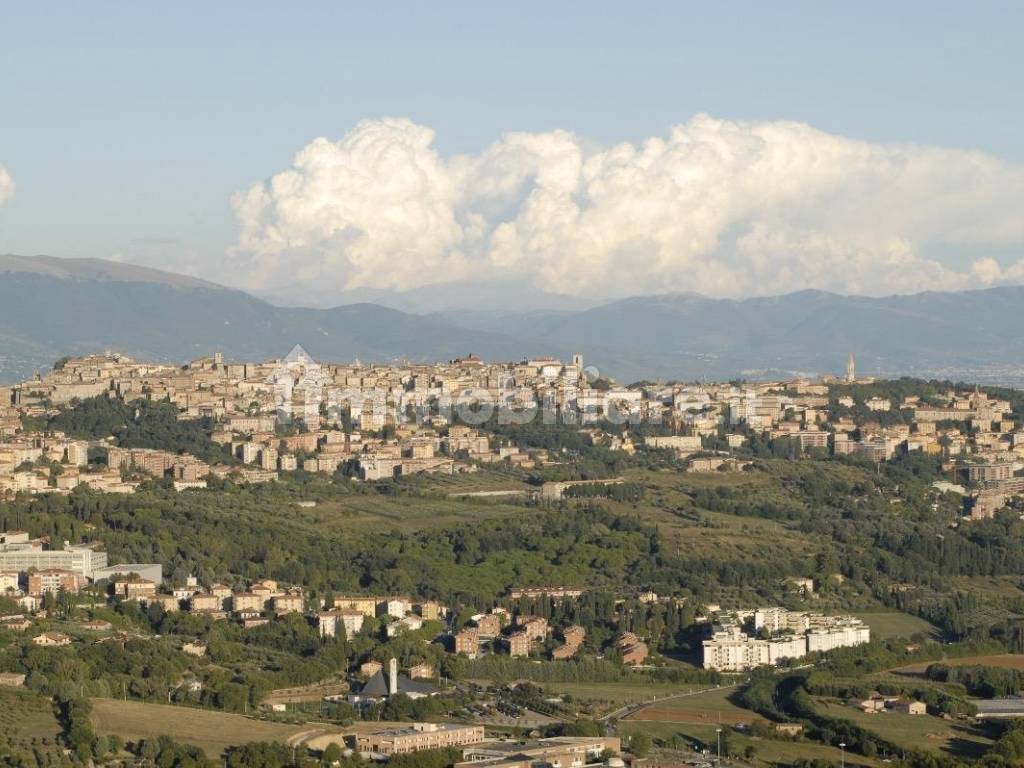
(630, 709)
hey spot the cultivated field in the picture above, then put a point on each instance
(707, 708)
(1001, 660)
(25, 719)
(211, 731)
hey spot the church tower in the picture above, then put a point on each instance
(851, 370)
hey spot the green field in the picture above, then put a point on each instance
(913, 731)
(886, 624)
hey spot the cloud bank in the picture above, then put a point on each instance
(6, 186)
(719, 207)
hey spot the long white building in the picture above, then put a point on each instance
(19, 553)
(792, 635)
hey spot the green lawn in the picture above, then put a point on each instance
(885, 624)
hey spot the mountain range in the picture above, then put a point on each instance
(53, 307)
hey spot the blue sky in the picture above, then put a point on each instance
(127, 127)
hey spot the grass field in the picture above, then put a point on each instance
(886, 624)
(1001, 660)
(913, 731)
(212, 731)
(707, 708)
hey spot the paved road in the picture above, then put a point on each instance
(630, 709)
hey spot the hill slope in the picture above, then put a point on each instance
(55, 307)
(971, 333)
(43, 318)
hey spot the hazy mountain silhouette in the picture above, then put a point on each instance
(53, 307)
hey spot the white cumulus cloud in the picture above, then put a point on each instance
(6, 186)
(716, 206)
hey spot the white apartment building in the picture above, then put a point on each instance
(793, 636)
(18, 553)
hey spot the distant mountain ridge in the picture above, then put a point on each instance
(492, 295)
(96, 269)
(53, 307)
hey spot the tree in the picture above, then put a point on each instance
(331, 754)
(640, 744)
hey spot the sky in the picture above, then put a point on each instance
(584, 148)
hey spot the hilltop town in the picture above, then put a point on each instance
(380, 422)
(489, 555)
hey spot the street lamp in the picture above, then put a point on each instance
(842, 754)
(719, 732)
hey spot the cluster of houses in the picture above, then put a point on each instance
(28, 461)
(348, 613)
(743, 640)
(382, 421)
(523, 635)
(877, 703)
(30, 569)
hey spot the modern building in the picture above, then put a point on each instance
(18, 553)
(417, 737)
(150, 571)
(790, 635)
(560, 752)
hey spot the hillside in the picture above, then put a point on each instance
(966, 334)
